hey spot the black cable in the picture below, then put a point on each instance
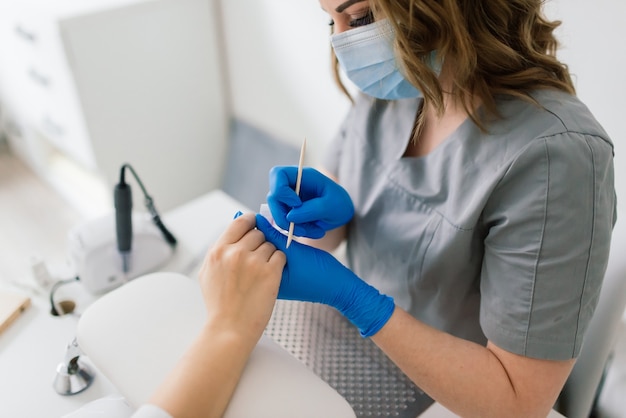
(149, 202)
(53, 309)
(132, 170)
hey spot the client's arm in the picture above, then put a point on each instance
(240, 279)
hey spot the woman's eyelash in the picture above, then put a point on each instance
(362, 21)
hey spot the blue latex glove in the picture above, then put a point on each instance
(322, 205)
(314, 275)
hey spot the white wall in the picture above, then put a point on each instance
(278, 63)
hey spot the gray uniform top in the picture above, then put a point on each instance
(501, 236)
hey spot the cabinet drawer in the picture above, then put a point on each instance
(27, 37)
(18, 136)
(67, 135)
(48, 99)
(24, 33)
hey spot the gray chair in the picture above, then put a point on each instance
(584, 384)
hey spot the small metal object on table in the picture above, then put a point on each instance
(354, 366)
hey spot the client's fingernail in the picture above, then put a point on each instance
(238, 214)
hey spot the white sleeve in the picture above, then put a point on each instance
(150, 411)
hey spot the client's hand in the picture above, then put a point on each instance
(322, 205)
(240, 279)
(316, 276)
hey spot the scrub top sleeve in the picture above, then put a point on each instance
(549, 224)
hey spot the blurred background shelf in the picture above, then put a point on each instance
(86, 86)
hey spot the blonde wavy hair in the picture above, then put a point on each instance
(499, 47)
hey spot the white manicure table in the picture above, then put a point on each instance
(311, 362)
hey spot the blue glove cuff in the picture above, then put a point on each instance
(384, 312)
(367, 309)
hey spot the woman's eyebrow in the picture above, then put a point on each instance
(345, 5)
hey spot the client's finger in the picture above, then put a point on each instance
(266, 249)
(252, 239)
(237, 229)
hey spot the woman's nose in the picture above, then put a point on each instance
(339, 27)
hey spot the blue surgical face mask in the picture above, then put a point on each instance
(366, 56)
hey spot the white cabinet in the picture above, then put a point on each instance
(92, 84)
